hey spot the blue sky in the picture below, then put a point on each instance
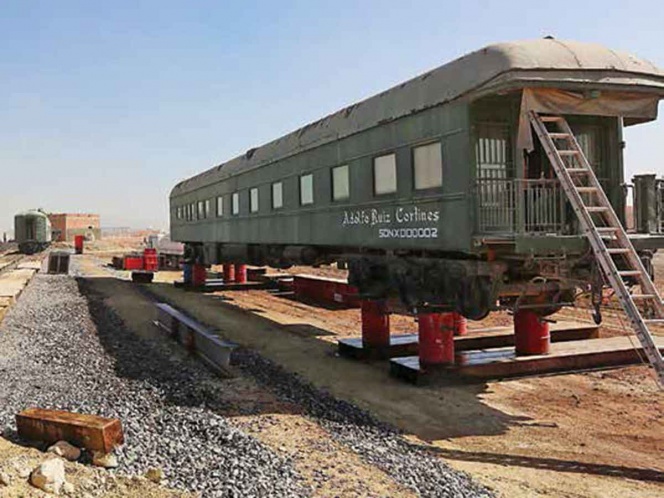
(106, 105)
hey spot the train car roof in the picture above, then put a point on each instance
(499, 67)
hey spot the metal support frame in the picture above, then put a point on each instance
(602, 227)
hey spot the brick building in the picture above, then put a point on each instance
(67, 225)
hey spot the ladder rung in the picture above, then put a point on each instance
(655, 320)
(551, 119)
(643, 296)
(606, 229)
(587, 189)
(597, 209)
(621, 250)
(577, 170)
(629, 273)
(559, 135)
(568, 152)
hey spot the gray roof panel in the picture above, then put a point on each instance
(500, 66)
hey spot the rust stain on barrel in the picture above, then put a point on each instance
(85, 431)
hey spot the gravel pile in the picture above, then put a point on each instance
(377, 443)
(60, 349)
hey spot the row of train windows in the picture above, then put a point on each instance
(427, 173)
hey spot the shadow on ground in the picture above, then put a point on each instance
(143, 353)
(554, 464)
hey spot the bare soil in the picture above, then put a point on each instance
(584, 434)
(330, 468)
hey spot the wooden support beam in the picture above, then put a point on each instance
(85, 431)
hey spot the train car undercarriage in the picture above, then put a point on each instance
(443, 282)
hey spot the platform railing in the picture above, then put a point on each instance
(509, 206)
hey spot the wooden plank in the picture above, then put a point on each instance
(85, 431)
(564, 356)
(499, 363)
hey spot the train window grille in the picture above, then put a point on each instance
(220, 206)
(235, 203)
(207, 208)
(307, 189)
(201, 210)
(385, 174)
(253, 200)
(428, 166)
(277, 195)
(340, 183)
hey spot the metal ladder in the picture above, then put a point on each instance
(605, 233)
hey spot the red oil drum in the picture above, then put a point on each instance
(375, 324)
(133, 262)
(229, 273)
(460, 324)
(241, 274)
(150, 260)
(199, 275)
(436, 338)
(531, 334)
(78, 243)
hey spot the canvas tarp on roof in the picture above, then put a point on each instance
(633, 107)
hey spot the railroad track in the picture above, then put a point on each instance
(9, 261)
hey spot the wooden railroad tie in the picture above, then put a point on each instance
(85, 431)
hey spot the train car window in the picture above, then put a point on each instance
(207, 208)
(385, 174)
(277, 195)
(428, 166)
(235, 203)
(253, 200)
(340, 183)
(177, 213)
(306, 189)
(220, 207)
(201, 210)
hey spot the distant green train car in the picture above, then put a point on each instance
(434, 190)
(32, 231)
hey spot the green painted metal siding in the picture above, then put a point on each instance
(323, 222)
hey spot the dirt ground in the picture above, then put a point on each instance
(329, 467)
(588, 434)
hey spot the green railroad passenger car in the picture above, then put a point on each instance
(434, 190)
(32, 231)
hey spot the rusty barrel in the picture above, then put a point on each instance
(436, 338)
(375, 324)
(460, 324)
(78, 243)
(198, 275)
(240, 274)
(531, 334)
(229, 273)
